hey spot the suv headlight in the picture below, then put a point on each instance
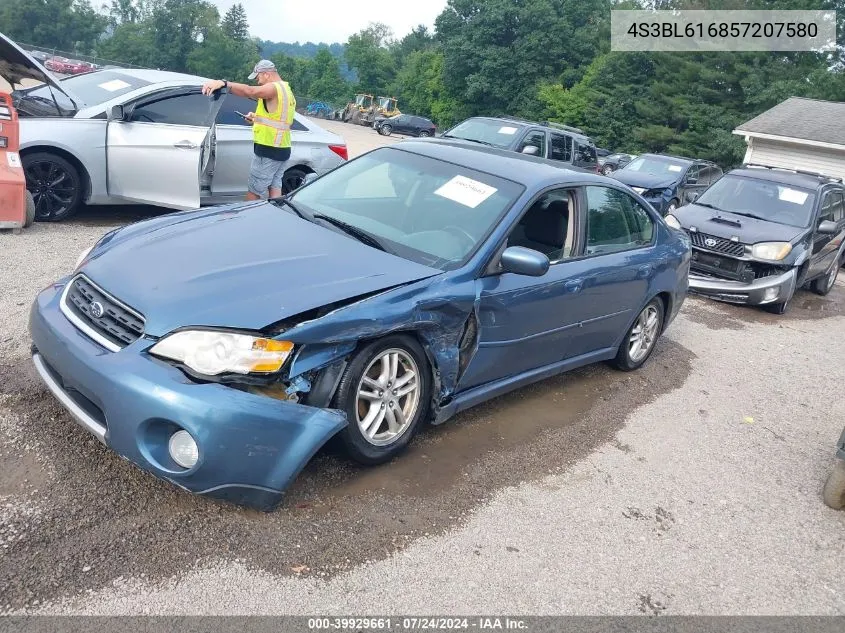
(672, 221)
(772, 251)
(212, 353)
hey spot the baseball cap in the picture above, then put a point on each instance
(264, 66)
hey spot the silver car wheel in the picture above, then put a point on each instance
(643, 334)
(834, 273)
(388, 397)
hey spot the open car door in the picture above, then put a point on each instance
(160, 148)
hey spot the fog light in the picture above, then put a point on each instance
(771, 294)
(183, 449)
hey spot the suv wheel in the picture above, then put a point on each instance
(834, 488)
(823, 285)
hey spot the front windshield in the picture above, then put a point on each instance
(498, 133)
(773, 201)
(657, 166)
(89, 89)
(425, 210)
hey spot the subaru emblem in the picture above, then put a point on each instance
(96, 309)
(710, 242)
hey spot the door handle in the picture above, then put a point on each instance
(185, 145)
(574, 286)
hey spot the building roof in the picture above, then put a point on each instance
(800, 118)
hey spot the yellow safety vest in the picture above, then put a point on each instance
(273, 129)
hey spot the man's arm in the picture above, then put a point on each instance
(267, 91)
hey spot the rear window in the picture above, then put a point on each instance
(501, 133)
(95, 88)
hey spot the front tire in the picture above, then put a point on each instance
(641, 339)
(823, 285)
(30, 210)
(55, 185)
(385, 393)
(834, 487)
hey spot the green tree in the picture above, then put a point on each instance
(178, 26)
(69, 25)
(222, 57)
(421, 88)
(327, 84)
(367, 52)
(235, 23)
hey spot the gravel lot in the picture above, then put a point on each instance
(691, 486)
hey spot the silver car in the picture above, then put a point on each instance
(127, 136)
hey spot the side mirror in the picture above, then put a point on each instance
(692, 195)
(117, 113)
(531, 150)
(692, 180)
(524, 261)
(828, 228)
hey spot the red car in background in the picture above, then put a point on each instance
(67, 66)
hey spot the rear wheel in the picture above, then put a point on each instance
(385, 393)
(293, 179)
(386, 130)
(30, 210)
(55, 185)
(425, 134)
(641, 339)
(823, 285)
(834, 488)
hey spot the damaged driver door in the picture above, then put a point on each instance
(160, 148)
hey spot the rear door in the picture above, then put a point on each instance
(162, 151)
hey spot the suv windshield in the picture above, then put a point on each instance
(658, 166)
(773, 201)
(500, 133)
(425, 210)
(90, 88)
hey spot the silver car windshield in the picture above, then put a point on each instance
(425, 210)
(91, 88)
(774, 201)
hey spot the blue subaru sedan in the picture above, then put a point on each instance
(220, 349)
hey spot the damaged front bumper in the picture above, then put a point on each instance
(771, 289)
(251, 447)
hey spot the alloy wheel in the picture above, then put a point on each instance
(643, 334)
(52, 187)
(388, 397)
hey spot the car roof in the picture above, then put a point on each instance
(523, 169)
(526, 122)
(158, 76)
(674, 157)
(785, 176)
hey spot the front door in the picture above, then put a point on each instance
(825, 246)
(163, 149)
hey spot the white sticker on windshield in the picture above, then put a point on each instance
(792, 195)
(507, 130)
(674, 168)
(114, 85)
(466, 191)
(14, 159)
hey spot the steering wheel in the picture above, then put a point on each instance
(456, 230)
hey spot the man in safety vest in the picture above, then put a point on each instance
(271, 123)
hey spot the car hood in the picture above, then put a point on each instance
(644, 180)
(730, 225)
(16, 65)
(245, 267)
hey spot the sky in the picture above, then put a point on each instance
(331, 21)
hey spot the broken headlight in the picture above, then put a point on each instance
(213, 353)
(771, 251)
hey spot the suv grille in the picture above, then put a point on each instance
(102, 314)
(717, 244)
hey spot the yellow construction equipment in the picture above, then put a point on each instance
(355, 111)
(384, 107)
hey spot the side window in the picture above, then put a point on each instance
(231, 106)
(585, 154)
(615, 222)
(561, 146)
(548, 226)
(693, 176)
(536, 139)
(838, 207)
(831, 207)
(191, 109)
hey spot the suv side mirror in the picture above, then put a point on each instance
(524, 261)
(691, 180)
(827, 228)
(117, 113)
(531, 150)
(692, 195)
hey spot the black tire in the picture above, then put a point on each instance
(624, 361)
(834, 487)
(55, 184)
(352, 437)
(823, 285)
(30, 210)
(777, 308)
(386, 130)
(293, 179)
(425, 134)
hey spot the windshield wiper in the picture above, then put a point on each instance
(709, 206)
(295, 209)
(464, 138)
(750, 215)
(359, 234)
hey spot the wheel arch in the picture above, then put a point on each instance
(68, 156)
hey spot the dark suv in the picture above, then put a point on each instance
(549, 140)
(667, 181)
(760, 232)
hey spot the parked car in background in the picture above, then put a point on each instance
(760, 233)
(41, 56)
(666, 181)
(142, 136)
(615, 162)
(61, 65)
(834, 488)
(407, 124)
(601, 155)
(411, 283)
(554, 141)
